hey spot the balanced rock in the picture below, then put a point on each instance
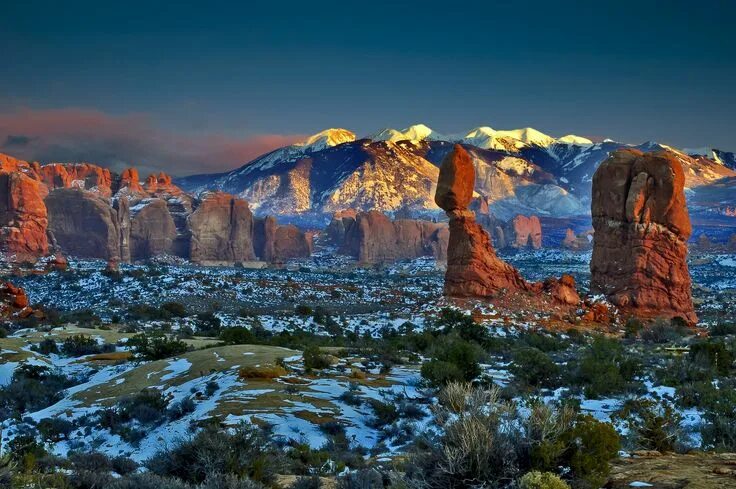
(641, 231)
(577, 242)
(473, 269)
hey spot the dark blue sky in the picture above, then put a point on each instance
(631, 71)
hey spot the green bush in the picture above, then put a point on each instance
(542, 480)
(453, 360)
(80, 345)
(651, 426)
(314, 359)
(156, 346)
(605, 368)
(237, 336)
(533, 367)
(590, 446)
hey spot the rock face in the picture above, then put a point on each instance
(13, 302)
(579, 242)
(222, 230)
(473, 269)
(277, 244)
(23, 216)
(524, 232)
(85, 224)
(152, 230)
(641, 230)
(371, 237)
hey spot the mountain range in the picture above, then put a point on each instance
(395, 171)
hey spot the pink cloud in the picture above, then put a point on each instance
(66, 135)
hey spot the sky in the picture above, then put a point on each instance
(193, 87)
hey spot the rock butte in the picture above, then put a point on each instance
(641, 230)
(373, 238)
(473, 269)
(87, 211)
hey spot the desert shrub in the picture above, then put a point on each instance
(663, 331)
(85, 318)
(209, 323)
(246, 452)
(146, 407)
(174, 309)
(605, 368)
(181, 408)
(3, 332)
(453, 360)
(147, 480)
(237, 336)
(80, 345)
(31, 388)
(384, 413)
(651, 425)
(533, 367)
(262, 372)
(633, 328)
(314, 359)
(361, 479)
(723, 329)
(211, 387)
(542, 480)
(229, 481)
(542, 341)
(313, 482)
(303, 310)
(713, 356)
(486, 442)
(55, 429)
(156, 346)
(47, 346)
(719, 422)
(590, 446)
(24, 451)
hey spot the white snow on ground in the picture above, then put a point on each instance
(6, 372)
(176, 368)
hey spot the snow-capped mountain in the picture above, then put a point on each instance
(519, 171)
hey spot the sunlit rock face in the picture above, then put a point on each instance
(641, 227)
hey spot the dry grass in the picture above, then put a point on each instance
(262, 372)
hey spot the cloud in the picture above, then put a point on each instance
(81, 135)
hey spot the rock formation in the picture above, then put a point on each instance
(23, 216)
(641, 230)
(579, 242)
(372, 237)
(524, 232)
(152, 230)
(84, 224)
(13, 302)
(473, 269)
(276, 243)
(222, 230)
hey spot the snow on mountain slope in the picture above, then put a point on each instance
(417, 132)
(520, 171)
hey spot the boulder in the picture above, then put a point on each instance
(85, 224)
(14, 302)
(641, 231)
(456, 181)
(221, 229)
(23, 216)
